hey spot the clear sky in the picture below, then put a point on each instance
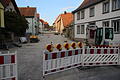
(50, 9)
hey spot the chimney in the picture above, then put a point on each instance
(65, 12)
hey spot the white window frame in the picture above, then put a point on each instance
(115, 5)
(82, 29)
(78, 29)
(106, 6)
(106, 23)
(116, 25)
(92, 11)
(82, 14)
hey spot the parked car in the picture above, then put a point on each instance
(23, 40)
(34, 39)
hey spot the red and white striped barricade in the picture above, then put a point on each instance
(61, 60)
(100, 56)
(91, 56)
(8, 66)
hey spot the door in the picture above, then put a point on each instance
(99, 36)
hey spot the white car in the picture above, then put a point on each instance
(23, 39)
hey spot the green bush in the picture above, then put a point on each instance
(15, 23)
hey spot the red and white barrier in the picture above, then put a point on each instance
(100, 56)
(8, 66)
(62, 60)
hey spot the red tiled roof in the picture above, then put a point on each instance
(27, 11)
(41, 20)
(67, 19)
(87, 3)
(45, 22)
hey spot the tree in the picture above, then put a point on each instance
(15, 23)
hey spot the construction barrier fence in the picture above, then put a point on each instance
(8, 66)
(57, 61)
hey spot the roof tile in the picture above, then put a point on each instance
(87, 3)
(67, 19)
(44, 22)
(27, 11)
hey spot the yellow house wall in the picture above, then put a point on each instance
(2, 16)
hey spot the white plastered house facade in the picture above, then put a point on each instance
(31, 23)
(30, 15)
(105, 13)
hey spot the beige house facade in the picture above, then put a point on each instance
(62, 21)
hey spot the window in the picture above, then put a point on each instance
(78, 29)
(82, 14)
(78, 16)
(92, 12)
(82, 29)
(99, 36)
(106, 7)
(106, 24)
(115, 4)
(116, 25)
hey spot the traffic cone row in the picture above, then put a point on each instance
(66, 45)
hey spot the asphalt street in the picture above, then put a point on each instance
(30, 66)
